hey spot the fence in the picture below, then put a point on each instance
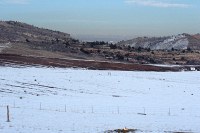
(115, 110)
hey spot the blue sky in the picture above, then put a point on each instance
(107, 17)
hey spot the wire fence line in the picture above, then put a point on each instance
(118, 110)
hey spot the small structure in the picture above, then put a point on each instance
(192, 68)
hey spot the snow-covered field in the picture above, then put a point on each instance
(49, 100)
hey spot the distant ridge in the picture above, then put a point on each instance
(13, 31)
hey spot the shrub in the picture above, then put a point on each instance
(120, 57)
(84, 51)
(27, 40)
(113, 46)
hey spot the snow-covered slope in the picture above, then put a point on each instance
(53, 100)
(176, 42)
(181, 41)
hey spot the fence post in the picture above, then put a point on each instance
(65, 108)
(40, 106)
(169, 113)
(92, 109)
(14, 104)
(118, 109)
(144, 110)
(8, 114)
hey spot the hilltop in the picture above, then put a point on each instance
(39, 38)
(13, 31)
(24, 39)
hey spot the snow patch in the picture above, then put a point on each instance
(4, 46)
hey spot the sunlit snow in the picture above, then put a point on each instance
(55, 100)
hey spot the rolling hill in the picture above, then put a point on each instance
(179, 42)
(21, 32)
